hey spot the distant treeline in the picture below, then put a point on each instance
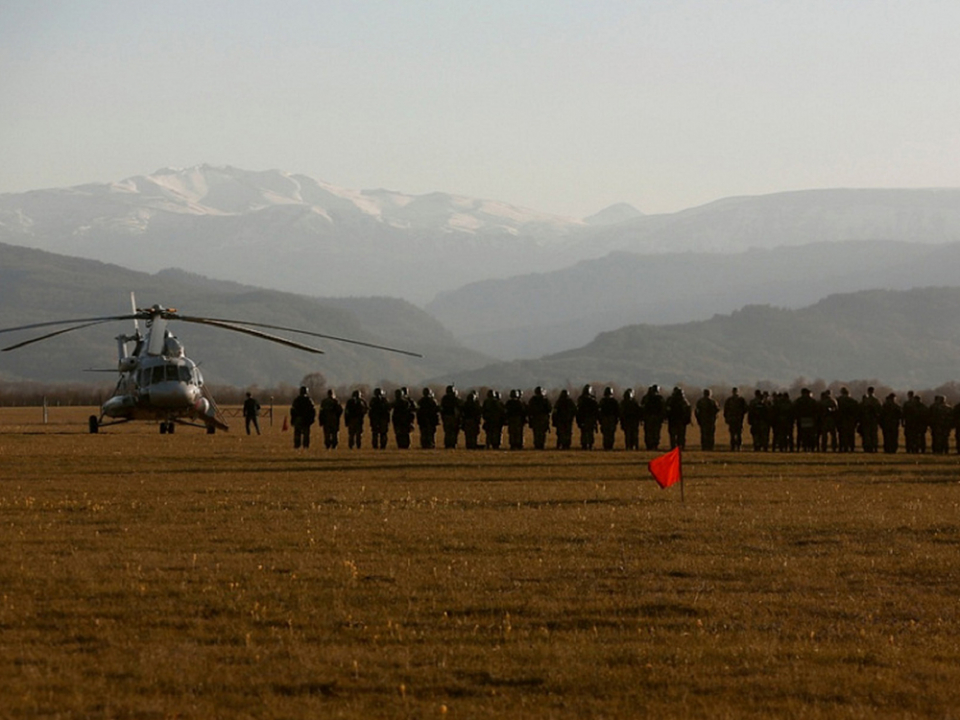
(20, 394)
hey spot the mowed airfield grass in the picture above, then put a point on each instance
(195, 576)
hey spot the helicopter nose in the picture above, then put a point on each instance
(173, 395)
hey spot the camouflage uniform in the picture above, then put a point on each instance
(404, 413)
(941, 421)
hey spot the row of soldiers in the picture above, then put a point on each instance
(776, 422)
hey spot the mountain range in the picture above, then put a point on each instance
(904, 339)
(37, 286)
(291, 232)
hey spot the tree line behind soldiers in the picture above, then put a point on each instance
(774, 420)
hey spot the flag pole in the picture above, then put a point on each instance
(680, 463)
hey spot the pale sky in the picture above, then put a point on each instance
(563, 106)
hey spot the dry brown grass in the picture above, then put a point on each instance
(224, 576)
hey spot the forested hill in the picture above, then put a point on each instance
(37, 286)
(903, 338)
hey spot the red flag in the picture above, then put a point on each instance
(666, 468)
(285, 426)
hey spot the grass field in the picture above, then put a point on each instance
(195, 576)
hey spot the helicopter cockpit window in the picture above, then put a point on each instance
(184, 373)
(157, 375)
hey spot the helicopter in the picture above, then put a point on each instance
(157, 380)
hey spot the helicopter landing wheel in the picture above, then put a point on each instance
(171, 426)
(211, 429)
(163, 428)
(93, 424)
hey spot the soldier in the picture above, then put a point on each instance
(941, 422)
(734, 412)
(891, 415)
(302, 414)
(828, 421)
(848, 417)
(870, 420)
(251, 413)
(564, 414)
(354, 414)
(404, 412)
(450, 417)
(630, 417)
(782, 420)
(538, 415)
(609, 418)
(329, 420)
(806, 410)
(493, 419)
(653, 408)
(470, 416)
(379, 419)
(588, 414)
(516, 415)
(678, 417)
(706, 412)
(758, 418)
(428, 417)
(915, 418)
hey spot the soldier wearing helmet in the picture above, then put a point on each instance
(654, 410)
(450, 406)
(402, 418)
(609, 410)
(588, 415)
(564, 414)
(379, 419)
(516, 415)
(538, 416)
(428, 417)
(354, 414)
(630, 417)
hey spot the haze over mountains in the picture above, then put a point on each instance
(294, 233)
(38, 286)
(506, 282)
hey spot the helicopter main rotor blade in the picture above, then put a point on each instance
(302, 332)
(227, 325)
(54, 334)
(91, 321)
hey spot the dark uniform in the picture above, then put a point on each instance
(806, 410)
(828, 421)
(428, 417)
(848, 418)
(870, 421)
(609, 418)
(891, 414)
(470, 417)
(758, 418)
(450, 417)
(402, 417)
(493, 418)
(516, 416)
(354, 414)
(941, 422)
(588, 414)
(251, 413)
(302, 414)
(538, 416)
(329, 419)
(654, 411)
(678, 417)
(706, 412)
(734, 412)
(915, 419)
(630, 417)
(379, 419)
(564, 414)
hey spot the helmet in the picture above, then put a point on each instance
(538, 390)
(608, 391)
(377, 392)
